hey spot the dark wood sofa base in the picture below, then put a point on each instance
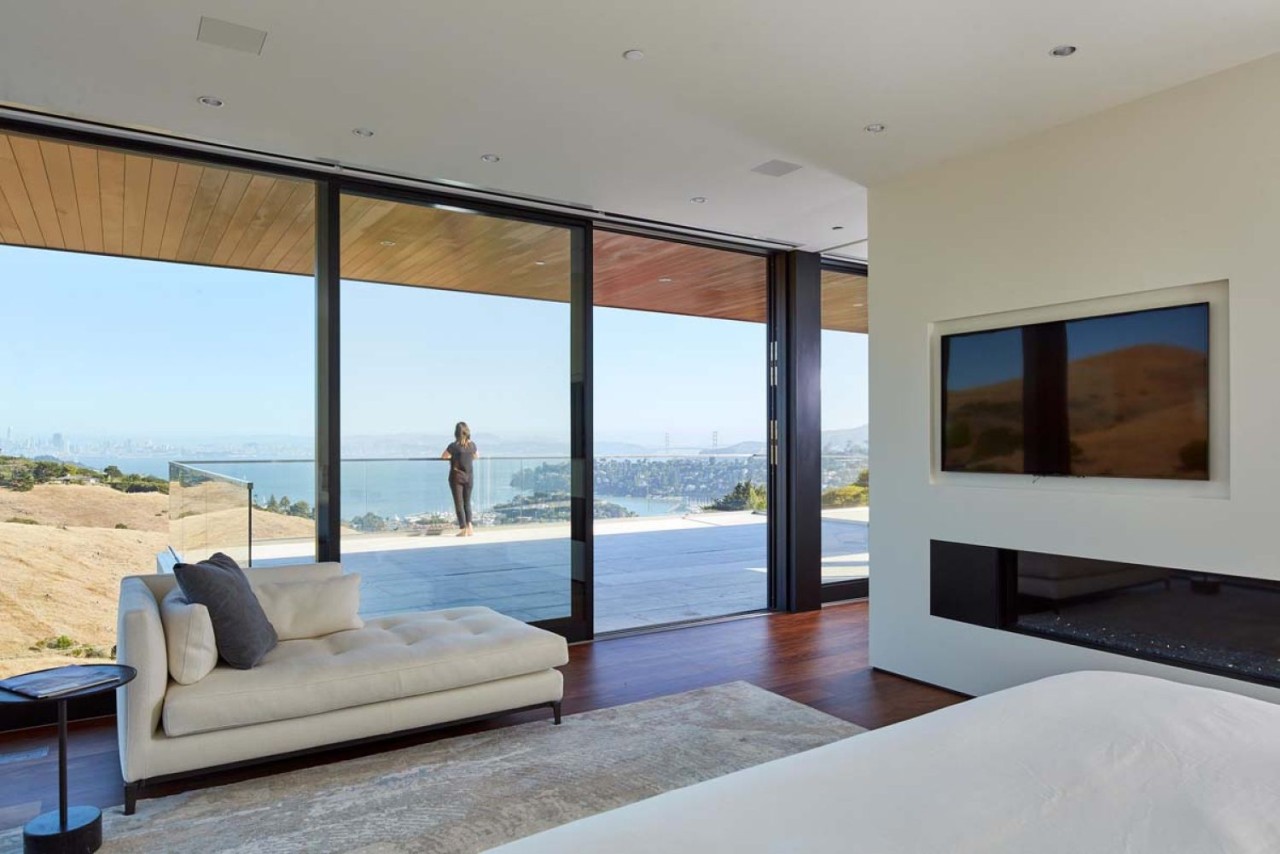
(135, 790)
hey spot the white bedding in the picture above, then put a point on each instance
(1087, 763)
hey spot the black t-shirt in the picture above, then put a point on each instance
(460, 457)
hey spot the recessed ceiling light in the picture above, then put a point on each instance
(876, 127)
(490, 158)
(633, 55)
(1063, 50)
(362, 132)
(699, 200)
(387, 243)
(209, 101)
(664, 279)
(539, 263)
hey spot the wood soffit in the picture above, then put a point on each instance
(83, 198)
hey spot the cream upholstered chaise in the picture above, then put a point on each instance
(396, 674)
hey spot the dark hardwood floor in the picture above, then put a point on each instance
(818, 658)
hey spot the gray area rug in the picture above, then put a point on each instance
(473, 792)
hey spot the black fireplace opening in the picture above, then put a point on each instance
(1209, 621)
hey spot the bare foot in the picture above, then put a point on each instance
(462, 533)
(471, 532)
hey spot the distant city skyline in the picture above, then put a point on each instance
(98, 348)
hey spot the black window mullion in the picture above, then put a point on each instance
(328, 369)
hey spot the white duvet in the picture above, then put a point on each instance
(1086, 762)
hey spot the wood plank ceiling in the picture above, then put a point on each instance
(844, 301)
(88, 199)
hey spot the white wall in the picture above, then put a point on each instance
(1176, 189)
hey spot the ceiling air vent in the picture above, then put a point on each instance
(776, 168)
(231, 36)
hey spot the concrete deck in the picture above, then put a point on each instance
(648, 571)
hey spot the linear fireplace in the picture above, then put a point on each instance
(1214, 622)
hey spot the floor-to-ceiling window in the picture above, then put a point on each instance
(169, 359)
(680, 421)
(157, 356)
(846, 485)
(450, 317)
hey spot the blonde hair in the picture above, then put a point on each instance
(462, 433)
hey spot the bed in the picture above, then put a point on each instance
(1091, 762)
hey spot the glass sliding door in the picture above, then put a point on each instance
(455, 329)
(846, 486)
(157, 378)
(680, 421)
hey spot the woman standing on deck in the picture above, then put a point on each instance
(460, 453)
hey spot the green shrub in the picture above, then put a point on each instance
(64, 644)
(21, 520)
(745, 496)
(369, 523)
(845, 496)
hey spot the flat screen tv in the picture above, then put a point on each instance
(1117, 395)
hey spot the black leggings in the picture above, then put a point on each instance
(461, 502)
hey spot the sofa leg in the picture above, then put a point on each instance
(555, 710)
(131, 797)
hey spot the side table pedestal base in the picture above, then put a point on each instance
(44, 833)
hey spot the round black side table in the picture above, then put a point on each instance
(68, 829)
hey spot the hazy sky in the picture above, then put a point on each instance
(111, 346)
(994, 356)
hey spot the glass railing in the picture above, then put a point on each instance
(678, 536)
(399, 494)
(411, 496)
(240, 506)
(209, 512)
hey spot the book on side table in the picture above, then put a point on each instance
(46, 684)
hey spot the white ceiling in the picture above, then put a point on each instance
(725, 86)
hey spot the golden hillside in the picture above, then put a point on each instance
(61, 575)
(1139, 411)
(87, 506)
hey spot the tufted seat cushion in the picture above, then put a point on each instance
(403, 655)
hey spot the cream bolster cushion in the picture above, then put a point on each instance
(313, 608)
(188, 637)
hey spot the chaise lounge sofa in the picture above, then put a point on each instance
(396, 674)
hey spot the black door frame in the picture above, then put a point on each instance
(773, 567)
(795, 432)
(577, 626)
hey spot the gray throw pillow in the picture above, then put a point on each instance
(240, 627)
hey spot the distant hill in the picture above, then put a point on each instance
(621, 449)
(849, 439)
(1139, 411)
(738, 448)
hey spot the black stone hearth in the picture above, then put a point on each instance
(1216, 623)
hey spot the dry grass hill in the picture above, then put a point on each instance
(1138, 411)
(62, 557)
